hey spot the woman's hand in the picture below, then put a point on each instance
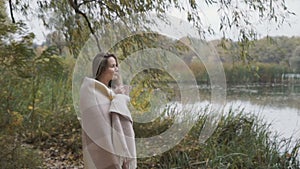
(123, 89)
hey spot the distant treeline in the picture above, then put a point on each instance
(280, 50)
(241, 74)
(269, 59)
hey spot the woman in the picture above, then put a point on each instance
(108, 136)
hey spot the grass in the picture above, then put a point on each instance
(240, 141)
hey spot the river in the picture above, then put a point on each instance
(278, 105)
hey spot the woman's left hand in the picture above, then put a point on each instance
(123, 89)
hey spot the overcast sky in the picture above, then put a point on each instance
(211, 18)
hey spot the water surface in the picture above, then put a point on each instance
(276, 104)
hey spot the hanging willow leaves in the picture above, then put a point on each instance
(76, 19)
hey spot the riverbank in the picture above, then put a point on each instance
(240, 141)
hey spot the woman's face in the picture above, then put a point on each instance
(111, 72)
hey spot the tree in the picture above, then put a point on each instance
(90, 15)
(294, 61)
(22, 71)
(14, 54)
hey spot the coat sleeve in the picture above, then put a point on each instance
(122, 130)
(119, 105)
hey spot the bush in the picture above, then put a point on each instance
(15, 154)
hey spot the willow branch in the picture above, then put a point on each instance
(75, 6)
(11, 12)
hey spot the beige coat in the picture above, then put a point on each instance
(107, 135)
